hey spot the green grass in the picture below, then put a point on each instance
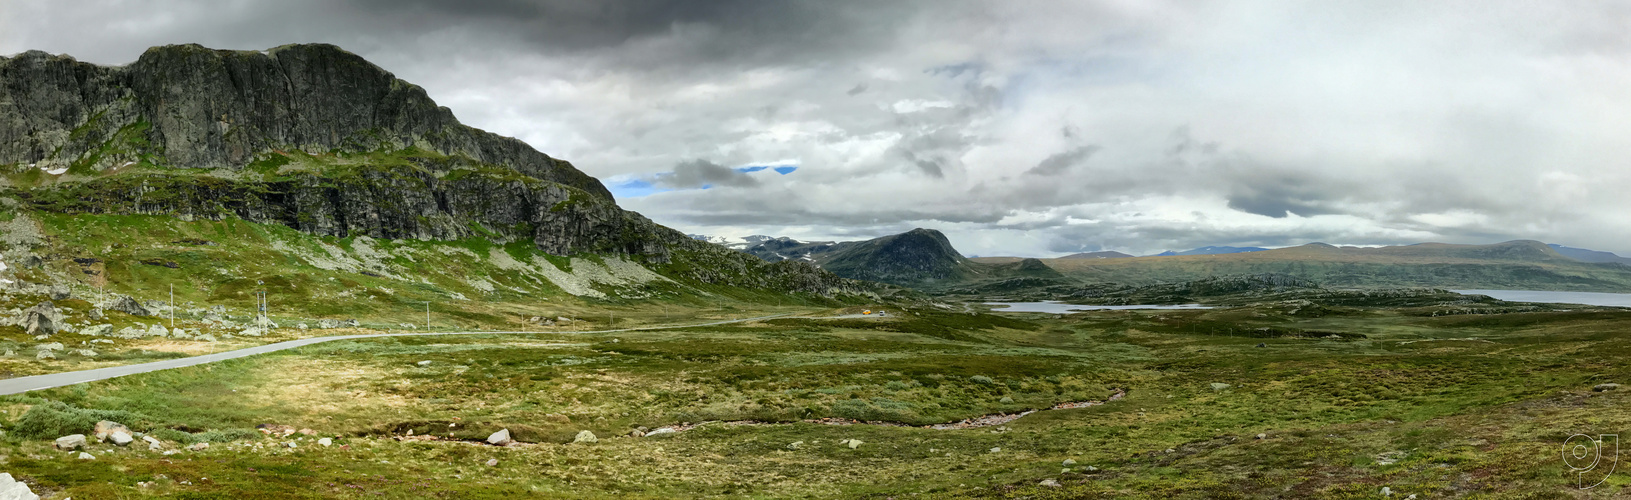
(1465, 406)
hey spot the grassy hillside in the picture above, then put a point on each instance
(1512, 265)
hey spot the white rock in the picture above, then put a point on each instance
(120, 438)
(86, 456)
(660, 430)
(585, 437)
(70, 442)
(1049, 483)
(325, 442)
(1387, 492)
(500, 438)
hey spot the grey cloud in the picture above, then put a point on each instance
(1058, 163)
(700, 173)
(857, 89)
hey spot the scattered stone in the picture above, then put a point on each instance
(1261, 435)
(1069, 462)
(106, 428)
(325, 442)
(96, 314)
(996, 450)
(1006, 400)
(854, 443)
(89, 353)
(1092, 469)
(500, 438)
(423, 363)
(127, 305)
(153, 443)
(1260, 344)
(54, 346)
(200, 446)
(352, 323)
(328, 323)
(660, 431)
(301, 326)
(289, 444)
(71, 442)
(1605, 387)
(795, 445)
(12, 489)
(585, 437)
(1387, 492)
(1049, 483)
(37, 320)
(120, 438)
(1218, 386)
(86, 456)
(97, 330)
(44, 354)
(492, 462)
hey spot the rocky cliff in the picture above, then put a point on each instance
(191, 107)
(318, 139)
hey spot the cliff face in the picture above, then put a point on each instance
(318, 139)
(191, 107)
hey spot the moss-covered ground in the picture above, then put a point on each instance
(1462, 406)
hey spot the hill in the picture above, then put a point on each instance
(1511, 265)
(921, 258)
(1211, 250)
(1097, 255)
(1593, 256)
(308, 166)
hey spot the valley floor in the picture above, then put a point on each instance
(1457, 406)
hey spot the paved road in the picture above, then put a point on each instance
(37, 382)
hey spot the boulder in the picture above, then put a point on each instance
(585, 437)
(61, 292)
(37, 320)
(89, 353)
(120, 438)
(1605, 387)
(660, 431)
(1218, 386)
(97, 330)
(199, 446)
(12, 489)
(127, 305)
(96, 314)
(325, 442)
(71, 442)
(328, 323)
(153, 443)
(86, 456)
(158, 331)
(44, 354)
(352, 323)
(1069, 462)
(500, 438)
(106, 428)
(1049, 483)
(54, 346)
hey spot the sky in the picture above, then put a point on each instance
(1016, 127)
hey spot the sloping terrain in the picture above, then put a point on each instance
(1520, 264)
(316, 139)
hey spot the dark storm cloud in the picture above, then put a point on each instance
(1127, 126)
(702, 173)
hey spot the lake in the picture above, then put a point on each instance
(1585, 298)
(1056, 307)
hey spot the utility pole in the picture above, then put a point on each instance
(172, 307)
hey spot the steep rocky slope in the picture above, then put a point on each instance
(318, 139)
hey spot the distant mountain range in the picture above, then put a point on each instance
(1593, 256)
(925, 259)
(1210, 251)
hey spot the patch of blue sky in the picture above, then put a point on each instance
(634, 188)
